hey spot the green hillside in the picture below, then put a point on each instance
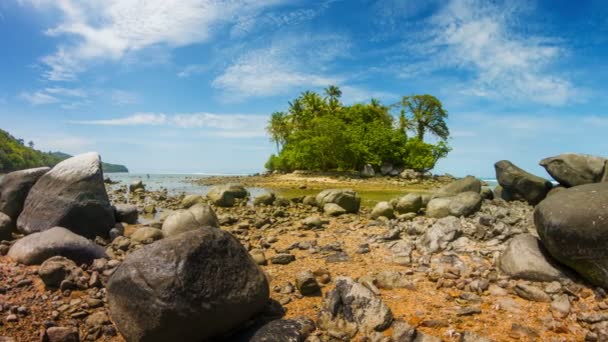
(16, 154)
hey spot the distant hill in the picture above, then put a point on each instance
(15, 154)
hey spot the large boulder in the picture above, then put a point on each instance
(14, 188)
(571, 169)
(180, 221)
(410, 203)
(468, 183)
(573, 226)
(384, 209)
(519, 184)
(194, 286)
(463, 204)
(526, 258)
(439, 235)
(71, 195)
(350, 308)
(284, 330)
(347, 199)
(226, 195)
(266, 198)
(36, 248)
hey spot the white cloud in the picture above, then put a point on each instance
(482, 37)
(123, 97)
(111, 29)
(38, 98)
(223, 125)
(68, 144)
(137, 119)
(283, 66)
(75, 92)
(193, 69)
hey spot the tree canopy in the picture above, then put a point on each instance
(321, 133)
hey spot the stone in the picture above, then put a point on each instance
(36, 248)
(266, 198)
(14, 188)
(226, 195)
(439, 235)
(55, 270)
(368, 171)
(573, 227)
(137, 185)
(61, 334)
(282, 259)
(384, 209)
(351, 307)
(126, 213)
(465, 204)
(310, 200)
(197, 285)
(71, 195)
(393, 280)
(560, 306)
(439, 207)
(468, 183)
(180, 221)
(285, 330)
(403, 332)
(7, 227)
(347, 199)
(312, 222)
(258, 256)
(191, 200)
(526, 258)
(532, 293)
(571, 169)
(409, 174)
(410, 203)
(307, 284)
(521, 185)
(468, 336)
(146, 235)
(333, 209)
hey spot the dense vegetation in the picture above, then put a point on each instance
(16, 155)
(320, 133)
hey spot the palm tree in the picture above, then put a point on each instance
(427, 114)
(333, 92)
(278, 129)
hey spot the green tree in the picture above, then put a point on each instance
(427, 114)
(278, 129)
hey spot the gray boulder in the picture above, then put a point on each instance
(463, 204)
(368, 171)
(71, 195)
(410, 174)
(7, 227)
(137, 185)
(180, 221)
(519, 184)
(285, 330)
(126, 213)
(194, 286)
(190, 200)
(525, 258)
(410, 203)
(437, 238)
(468, 183)
(573, 226)
(14, 188)
(36, 248)
(350, 308)
(226, 195)
(147, 235)
(571, 169)
(332, 209)
(55, 270)
(384, 209)
(347, 199)
(266, 198)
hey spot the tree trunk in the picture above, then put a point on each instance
(420, 130)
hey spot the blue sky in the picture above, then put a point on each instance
(187, 86)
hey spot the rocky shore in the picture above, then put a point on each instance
(84, 261)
